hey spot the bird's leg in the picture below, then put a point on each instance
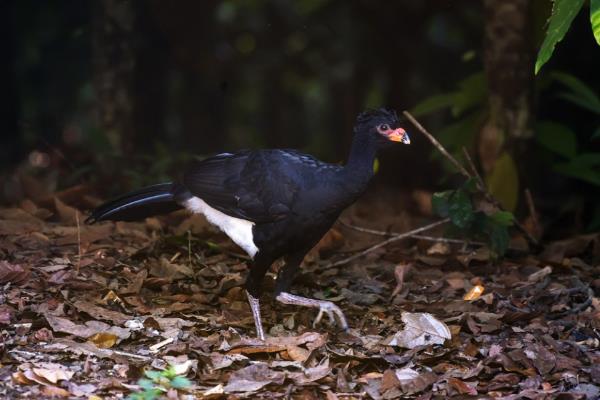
(258, 269)
(255, 306)
(325, 307)
(284, 279)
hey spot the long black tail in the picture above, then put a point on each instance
(137, 205)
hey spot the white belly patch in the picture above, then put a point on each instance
(239, 230)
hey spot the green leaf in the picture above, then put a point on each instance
(596, 134)
(460, 209)
(578, 171)
(503, 218)
(503, 181)
(434, 103)
(563, 13)
(557, 138)
(580, 93)
(499, 237)
(587, 159)
(470, 186)
(439, 203)
(595, 18)
(154, 375)
(180, 382)
(472, 92)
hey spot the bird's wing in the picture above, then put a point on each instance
(251, 185)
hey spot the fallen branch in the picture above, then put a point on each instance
(394, 238)
(420, 237)
(475, 175)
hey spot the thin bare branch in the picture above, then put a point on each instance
(395, 238)
(437, 144)
(481, 185)
(420, 237)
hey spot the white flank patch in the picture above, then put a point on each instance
(239, 230)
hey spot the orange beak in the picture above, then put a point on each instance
(399, 135)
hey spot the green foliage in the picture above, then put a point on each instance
(563, 13)
(458, 206)
(595, 18)
(562, 140)
(557, 138)
(503, 181)
(157, 383)
(468, 106)
(577, 92)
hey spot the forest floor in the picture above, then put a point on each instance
(87, 311)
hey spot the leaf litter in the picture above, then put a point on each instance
(85, 310)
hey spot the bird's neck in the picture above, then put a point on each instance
(359, 167)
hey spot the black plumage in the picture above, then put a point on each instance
(283, 201)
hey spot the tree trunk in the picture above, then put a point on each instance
(113, 63)
(508, 59)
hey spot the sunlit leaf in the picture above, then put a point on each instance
(558, 138)
(104, 340)
(475, 292)
(503, 218)
(503, 181)
(563, 13)
(595, 18)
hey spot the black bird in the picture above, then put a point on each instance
(272, 203)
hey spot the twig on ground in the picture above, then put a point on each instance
(394, 238)
(420, 237)
(481, 186)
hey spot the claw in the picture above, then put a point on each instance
(325, 307)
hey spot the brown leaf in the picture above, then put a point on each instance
(104, 340)
(389, 380)
(53, 391)
(90, 328)
(420, 329)
(13, 273)
(412, 381)
(54, 374)
(6, 314)
(297, 353)
(98, 312)
(462, 387)
(310, 375)
(253, 378)
(400, 273)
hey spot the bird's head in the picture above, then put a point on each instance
(383, 125)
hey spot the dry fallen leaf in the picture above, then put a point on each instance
(13, 273)
(475, 292)
(420, 329)
(253, 378)
(103, 340)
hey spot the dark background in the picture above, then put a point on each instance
(117, 94)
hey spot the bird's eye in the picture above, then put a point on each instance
(384, 127)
